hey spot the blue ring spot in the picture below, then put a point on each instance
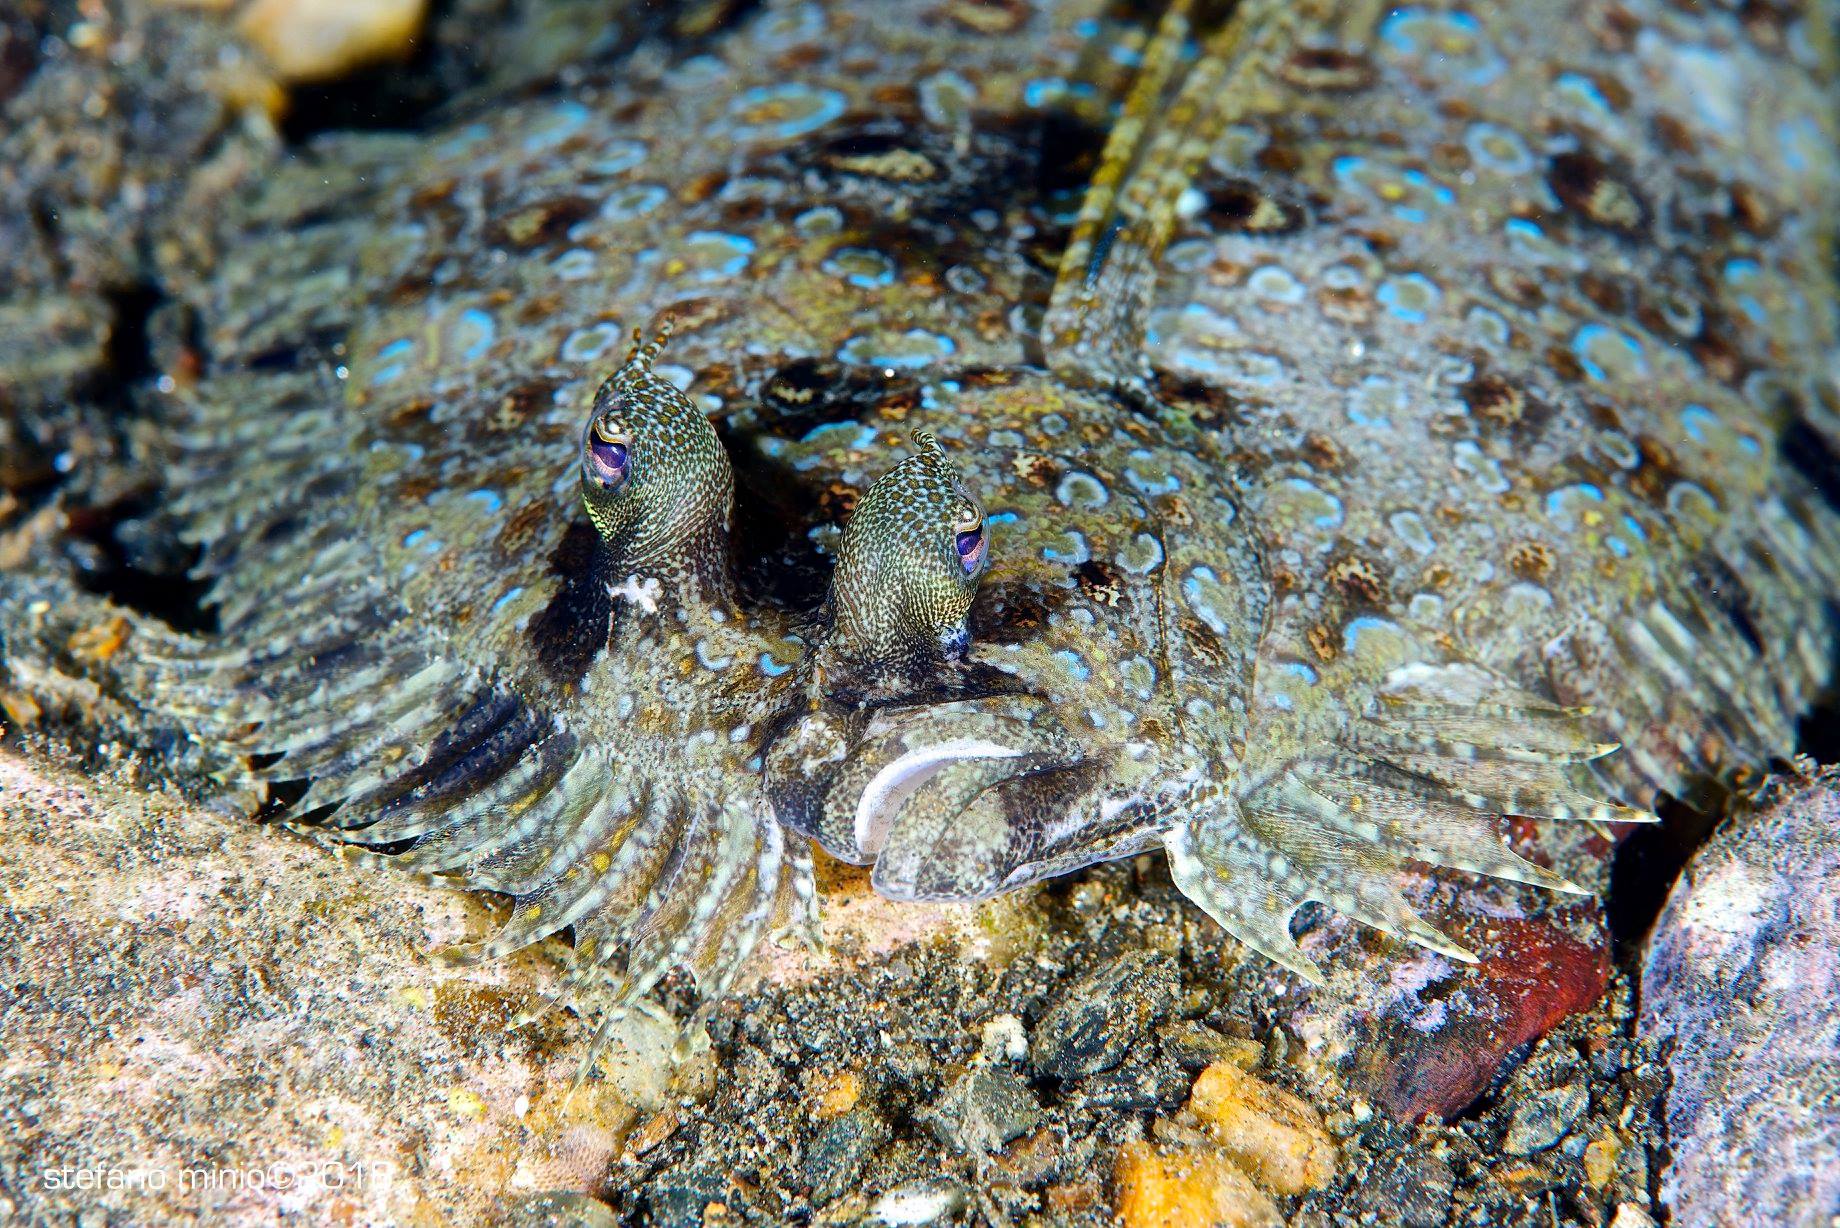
(862, 349)
(1324, 520)
(1043, 90)
(789, 109)
(860, 266)
(565, 121)
(1739, 273)
(1697, 421)
(863, 435)
(1077, 553)
(485, 331)
(1410, 296)
(588, 344)
(1367, 624)
(574, 264)
(633, 200)
(1441, 194)
(1584, 88)
(1498, 149)
(1075, 663)
(739, 250)
(620, 156)
(1589, 345)
(1197, 598)
(1558, 502)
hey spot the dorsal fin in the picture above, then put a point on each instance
(1093, 332)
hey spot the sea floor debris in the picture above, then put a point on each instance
(269, 1007)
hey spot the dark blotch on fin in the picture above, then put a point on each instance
(1807, 452)
(1207, 405)
(1068, 149)
(807, 393)
(493, 735)
(1329, 69)
(1724, 591)
(540, 225)
(132, 561)
(575, 625)
(1011, 613)
(875, 167)
(780, 567)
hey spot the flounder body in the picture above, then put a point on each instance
(1417, 420)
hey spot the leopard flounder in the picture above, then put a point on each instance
(1417, 421)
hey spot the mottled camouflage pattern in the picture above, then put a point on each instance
(1423, 404)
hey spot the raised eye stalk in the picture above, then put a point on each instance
(655, 479)
(908, 565)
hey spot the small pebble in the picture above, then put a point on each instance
(323, 40)
(1628, 1215)
(20, 708)
(1073, 1197)
(920, 1202)
(1274, 1135)
(1104, 1016)
(1600, 1160)
(1412, 1190)
(683, 1201)
(840, 1152)
(1132, 1088)
(1046, 1155)
(1195, 1046)
(833, 1095)
(983, 1110)
(560, 1209)
(636, 1059)
(1187, 1187)
(1543, 1118)
(1004, 1039)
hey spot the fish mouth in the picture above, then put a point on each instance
(881, 800)
(976, 825)
(959, 800)
(920, 793)
(891, 788)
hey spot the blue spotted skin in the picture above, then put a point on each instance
(1421, 405)
(1522, 314)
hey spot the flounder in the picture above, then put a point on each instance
(1425, 415)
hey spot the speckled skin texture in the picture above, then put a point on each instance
(1423, 404)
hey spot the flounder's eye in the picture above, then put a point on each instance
(973, 546)
(609, 456)
(908, 563)
(655, 480)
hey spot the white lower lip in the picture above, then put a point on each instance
(884, 796)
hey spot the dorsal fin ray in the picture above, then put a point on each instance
(1093, 332)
